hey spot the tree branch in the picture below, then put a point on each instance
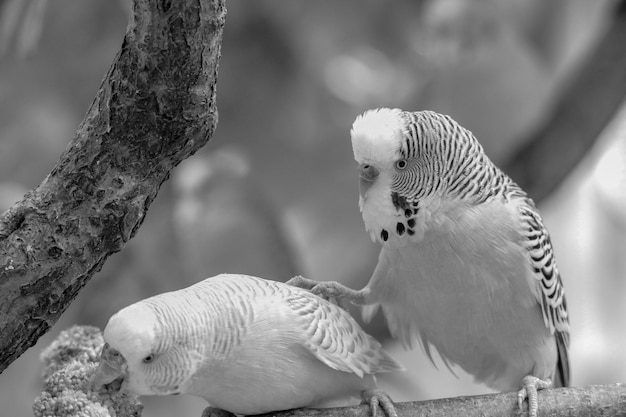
(155, 107)
(593, 400)
(583, 110)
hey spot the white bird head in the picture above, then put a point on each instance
(140, 350)
(376, 137)
(413, 166)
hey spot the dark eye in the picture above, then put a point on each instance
(401, 164)
(148, 358)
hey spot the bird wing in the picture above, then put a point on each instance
(548, 280)
(335, 338)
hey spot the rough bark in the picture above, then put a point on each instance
(587, 104)
(593, 400)
(155, 107)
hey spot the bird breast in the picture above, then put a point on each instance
(460, 288)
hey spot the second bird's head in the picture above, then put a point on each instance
(137, 354)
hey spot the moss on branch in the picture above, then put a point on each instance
(70, 363)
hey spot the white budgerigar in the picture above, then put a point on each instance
(246, 345)
(466, 263)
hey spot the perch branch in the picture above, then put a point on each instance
(593, 400)
(586, 106)
(155, 107)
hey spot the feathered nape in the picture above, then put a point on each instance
(457, 163)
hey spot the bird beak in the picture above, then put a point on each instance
(112, 366)
(367, 177)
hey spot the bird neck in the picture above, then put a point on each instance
(477, 180)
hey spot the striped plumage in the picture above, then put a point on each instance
(436, 192)
(245, 344)
(466, 264)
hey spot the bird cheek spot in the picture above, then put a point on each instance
(384, 235)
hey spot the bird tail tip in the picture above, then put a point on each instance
(562, 375)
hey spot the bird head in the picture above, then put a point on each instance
(376, 136)
(413, 167)
(137, 352)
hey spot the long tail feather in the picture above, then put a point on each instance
(562, 378)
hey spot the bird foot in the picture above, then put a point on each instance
(331, 291)
(531, 385)
(302, 282)
(379, 399)
(216, 412)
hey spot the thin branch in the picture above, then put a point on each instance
(593, 400)
(586, 106)
(155, 107)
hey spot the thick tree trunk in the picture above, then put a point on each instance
(155, 107)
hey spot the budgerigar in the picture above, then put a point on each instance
(466, 264)
(246, 345)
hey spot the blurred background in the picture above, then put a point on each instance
(275, 192)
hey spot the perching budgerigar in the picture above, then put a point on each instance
(466, 263)
(246, 345)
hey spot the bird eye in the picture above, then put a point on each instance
(148, 358)
(401, 164)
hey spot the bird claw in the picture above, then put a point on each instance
(329, 291)
(302, 282)
(531, 385)
(379, 399)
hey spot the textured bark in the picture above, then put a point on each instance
(586, 106)
(593, 400)
(155, 107)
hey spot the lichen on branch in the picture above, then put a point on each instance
(70, 363)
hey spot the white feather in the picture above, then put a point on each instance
(246, 345)
(376, 135)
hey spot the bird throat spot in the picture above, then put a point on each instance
(399, 202)
(409, 210)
